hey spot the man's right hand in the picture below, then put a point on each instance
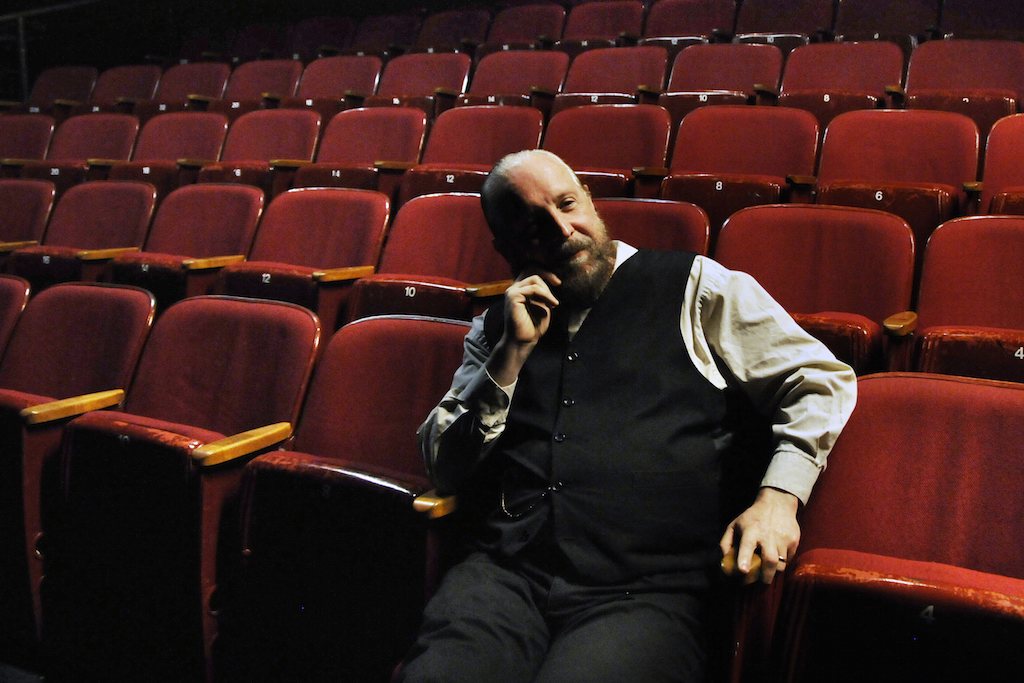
(528, 306)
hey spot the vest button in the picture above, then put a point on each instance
(568, 402)
(572, 356)
(559, 437)
(524, 537)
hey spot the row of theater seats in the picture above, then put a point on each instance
(154, 542)
(923, 165)
(582, 25)
(981, 78)
(849, 275)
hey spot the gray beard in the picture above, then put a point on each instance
(581, 289)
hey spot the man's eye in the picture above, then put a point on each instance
(568, 204)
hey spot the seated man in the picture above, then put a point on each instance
(585, 435)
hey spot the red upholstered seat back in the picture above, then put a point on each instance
(102, 214)
(194, 78)
(359, 137)
(422, 73)
(813, 259)
(972, 274)
(208, 219)
(25, 206)
(785, 16)
(225, 364)
(97, 136)
(617, 70)
(376, 382)
(77, 338)
(726, 66)
(967, 64)
(904, 146)
(249, 81)
(136, 81)
(182, 135)
(443, 235)
(928, 468)
(25, 136)
(605, 20)
(526, 23)
(656, 223)
(774, 141)
(273, 134)
(1003, 170)
(869, 66)
(610, 136)
(482, 134)
(332, 76)
(323, 227)
(514, 72)
(670, 18)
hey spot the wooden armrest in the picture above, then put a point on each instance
(10, 104)
(211, 262)
(650, 171)
(240, 445)
(648, 91)
(69, 407)
(901, 324)
(328, 50)
(195, 163)
(446, 93)
(393, 166)
(339, 274)
(434, 505)
(121, 99)
(804, 180)
(11, 161)
(200, 98)
(7, 247)
(104, 163)
(730, 569)
(66, 103)
(289, 163)
(974, 187)
(103, 254)
(536, 91)
(627, 39)
(488, 289)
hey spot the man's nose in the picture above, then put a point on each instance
(557, 227)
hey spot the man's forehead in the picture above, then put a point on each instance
(540, 171)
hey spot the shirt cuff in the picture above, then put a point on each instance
(488, 400)
(793, 472)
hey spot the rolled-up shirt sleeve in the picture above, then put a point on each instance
(458, 432)
(737, 331)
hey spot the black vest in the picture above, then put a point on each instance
(613, 446)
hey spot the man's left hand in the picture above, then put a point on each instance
(769, 525)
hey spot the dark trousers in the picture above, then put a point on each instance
(503, 622)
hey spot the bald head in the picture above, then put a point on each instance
(543, 218)
(500, 202)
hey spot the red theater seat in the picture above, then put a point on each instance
(150, 488)
(341, 537)
(311, 244)
(74, 349)
(839, 271)
(909, 563)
